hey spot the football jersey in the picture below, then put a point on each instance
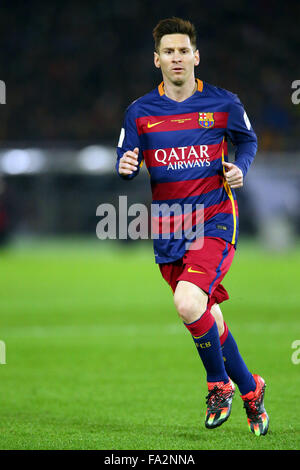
(183, 145)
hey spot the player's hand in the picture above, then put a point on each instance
(234, 175)
(129, 162)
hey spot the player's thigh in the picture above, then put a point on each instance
(190, 301)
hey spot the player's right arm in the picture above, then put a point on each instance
(130, 157)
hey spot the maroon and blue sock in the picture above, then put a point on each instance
(206, 337)
(234, 363)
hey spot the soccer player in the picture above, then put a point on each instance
(180, 130)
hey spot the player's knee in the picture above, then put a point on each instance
(190, 308)
(218, 316)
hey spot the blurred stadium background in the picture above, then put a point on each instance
(71, 69)
(70, 72)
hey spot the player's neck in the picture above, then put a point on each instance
(181, 92)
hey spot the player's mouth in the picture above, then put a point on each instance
(177, 69)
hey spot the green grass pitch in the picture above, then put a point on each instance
(96, 357)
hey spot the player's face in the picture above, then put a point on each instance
(176, 58)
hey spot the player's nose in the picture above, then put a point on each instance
(176, 56)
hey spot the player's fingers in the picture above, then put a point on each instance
(129, 159)
(128, 166)
(236, 185)
(234, 179)
(131, 154)
(228, 165)
(125, 172)
(230, 174)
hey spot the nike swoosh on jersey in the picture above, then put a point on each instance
(154, 124)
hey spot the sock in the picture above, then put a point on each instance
(205, 334)
(234, 363)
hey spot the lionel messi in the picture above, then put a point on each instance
(180, 131)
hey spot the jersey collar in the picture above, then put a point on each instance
(161, 89)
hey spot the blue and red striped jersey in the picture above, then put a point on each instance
(183, 145)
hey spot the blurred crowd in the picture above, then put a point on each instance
(71, 68)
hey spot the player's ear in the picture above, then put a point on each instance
(197, 57)
(156, 60)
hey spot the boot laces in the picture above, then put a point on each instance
(252, 407)
(217, 396)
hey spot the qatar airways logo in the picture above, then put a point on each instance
(181, 158)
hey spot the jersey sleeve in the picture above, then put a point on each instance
(241, 134)
(128, 140)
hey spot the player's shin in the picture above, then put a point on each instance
(234, 363)
(205, 334)
(220, 389)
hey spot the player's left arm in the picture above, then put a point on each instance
(243, 137)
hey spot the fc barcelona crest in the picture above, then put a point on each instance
(206, 120)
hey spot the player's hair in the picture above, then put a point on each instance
(174, 25)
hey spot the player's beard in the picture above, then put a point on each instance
(178, 82)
